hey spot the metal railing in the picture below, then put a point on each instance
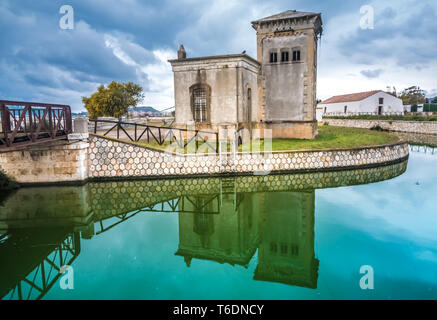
(137, 132)
(24, 123)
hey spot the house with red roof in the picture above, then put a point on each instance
(375, 102)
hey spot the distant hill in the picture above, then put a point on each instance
(137, 109)
(145, 109)
(80, 114)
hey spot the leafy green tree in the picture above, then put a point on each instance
(413, 95)
(113, 100)
(434, 100)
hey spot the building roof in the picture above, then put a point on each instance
(219, 57)
(289, 14)
(350, 97)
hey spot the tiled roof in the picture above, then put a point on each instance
(350, 97)
(289, 14)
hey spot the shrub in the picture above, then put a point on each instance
(378, 128)
(6, 183)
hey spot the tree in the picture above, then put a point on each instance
(434, 100)
(114, 100)
(413, 95)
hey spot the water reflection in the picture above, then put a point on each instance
(225, 220)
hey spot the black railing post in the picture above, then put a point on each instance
(197, 140)
(159, 135)
(95, 126)
(217, 143)
(136, 132)
(118, 129)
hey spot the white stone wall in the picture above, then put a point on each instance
(426, 127)
(112, 159)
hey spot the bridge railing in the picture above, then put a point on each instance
(137, 132)
(25, 123)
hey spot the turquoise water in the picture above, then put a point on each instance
(233, 238)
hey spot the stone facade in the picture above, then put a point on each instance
(229, 83)
(276, 92)
(287, 85)
(60, 161)
(426, 127)
(115, 159)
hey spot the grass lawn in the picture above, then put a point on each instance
(331, 137)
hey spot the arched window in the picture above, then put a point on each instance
(199, 96)
(200, 102)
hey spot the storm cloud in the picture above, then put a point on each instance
(131, 40)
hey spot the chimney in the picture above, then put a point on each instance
(181, 53)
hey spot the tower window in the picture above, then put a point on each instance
(381, 100)
(284, 56)
(273, 57)
(284, 248)
(345, 109)
(296, 55)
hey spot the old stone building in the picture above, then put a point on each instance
(276, 91)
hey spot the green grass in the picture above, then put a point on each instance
(188, 149)
(331, 137)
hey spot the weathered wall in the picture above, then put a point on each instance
(229, 77)
(427, 127)
(113, 159)
(47, 163)
(287, 90)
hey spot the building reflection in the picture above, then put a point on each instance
(286, 247)
(229, 235)
(279, 224)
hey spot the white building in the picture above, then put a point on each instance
(375, 102)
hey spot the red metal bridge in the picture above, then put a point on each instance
(24, 123)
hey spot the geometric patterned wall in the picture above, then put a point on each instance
(110, 159)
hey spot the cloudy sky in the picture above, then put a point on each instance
(131, 40)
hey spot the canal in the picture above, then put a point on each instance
(301, 236)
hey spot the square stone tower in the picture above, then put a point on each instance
(287, 51)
